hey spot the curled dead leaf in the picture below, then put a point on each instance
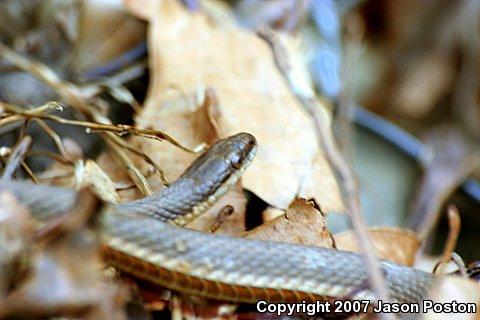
(390, 243)
(302, 223)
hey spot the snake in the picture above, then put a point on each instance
(145, 238)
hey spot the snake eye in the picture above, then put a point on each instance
(236, 162)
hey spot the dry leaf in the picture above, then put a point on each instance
(302, 223)
(253, 97)
(422, 85)
(106, 31)
(65, 275)
(271, 213)
(391, 243)
(453, 288)
(322, 186)
(139, 8)
(16, 231)
(96, 178)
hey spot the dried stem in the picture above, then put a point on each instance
(453, 232)
(224, 213)
(352, 51)
(29, 172)
(451, 161)
(146, 158)
(56, 139)
(118, 129)
(460, 264)
(137, 177)
(73, 95)
(51, 155)
(16, 157)
(307, 98)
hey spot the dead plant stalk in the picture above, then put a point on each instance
(307, 98)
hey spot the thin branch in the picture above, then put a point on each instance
(51, 155)
(10, 119)
(16, 157)
(453, 232)
(307, 98)
(147, 159)
(224, 213)
(451, 160)
(73, 95)
(114, 142)
(56, 139)
(119, 129)
(138, 178)
(460, 264)
(29, 172)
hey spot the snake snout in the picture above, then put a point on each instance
(244, 147)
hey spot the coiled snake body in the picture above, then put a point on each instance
(140, 239)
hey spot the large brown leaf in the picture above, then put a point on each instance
(390, 243)
(189, 51)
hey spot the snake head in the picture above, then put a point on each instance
(217, 170)
(207, 179)
(238, 150)
(224, 161)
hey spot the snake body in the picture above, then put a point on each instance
(140, 239)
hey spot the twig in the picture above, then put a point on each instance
(452, 160)
(29, 172)
(73, 95)
(113, 141)
(119, 129)
(56, 139)
(51, 155)
(460, 264)
(224, 213)
(352, 51)
(47, 176)
(453, 232)
(16, 157)
(96, 87)
(138, 178)
(10, 119)
(307, 98)
(44, 109)
(146, 158)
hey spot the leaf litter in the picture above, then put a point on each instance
(217, 80)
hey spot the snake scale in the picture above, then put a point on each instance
(142, 238)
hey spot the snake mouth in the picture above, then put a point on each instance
(219, 192)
